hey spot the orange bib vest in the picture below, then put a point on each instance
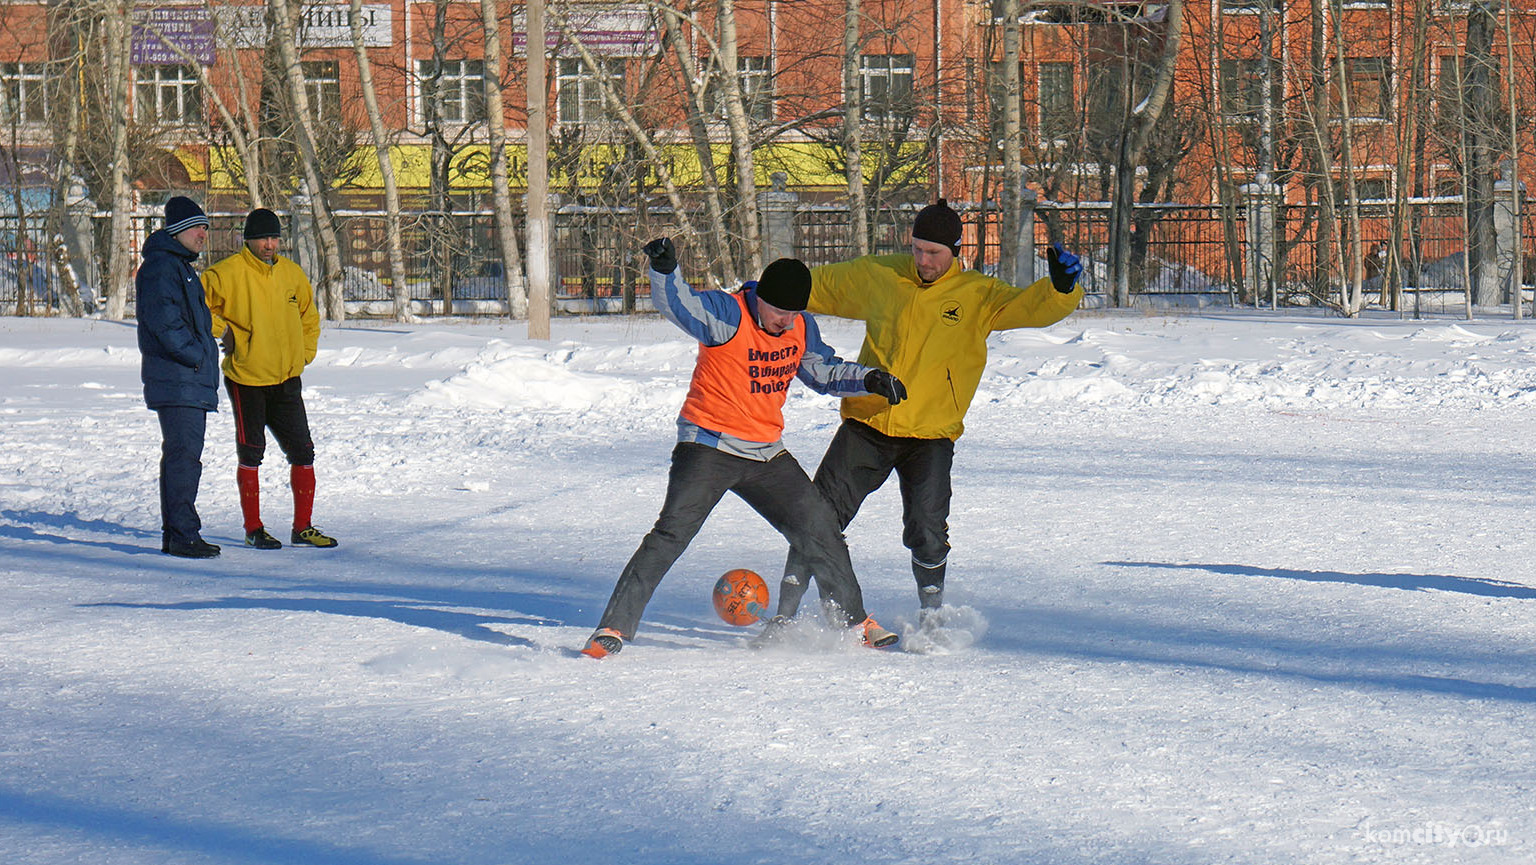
(739, 387)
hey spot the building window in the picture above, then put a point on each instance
(322, 84)
(23, 98)
(1058, 105)
(459, 86)
(1451, 87)
(1242, 88)
(581, 96)
(167, 94)
(886, 80)
(754, 76)
(1370, 89)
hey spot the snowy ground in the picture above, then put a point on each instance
(1242, 589)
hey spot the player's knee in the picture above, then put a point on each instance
(302, 456)
(249, 456)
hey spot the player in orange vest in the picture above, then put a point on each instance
(752, 344)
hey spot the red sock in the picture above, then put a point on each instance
(250, 496)
(303, 480)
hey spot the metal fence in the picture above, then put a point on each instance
(1182, 254)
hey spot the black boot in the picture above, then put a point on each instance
(930, 587)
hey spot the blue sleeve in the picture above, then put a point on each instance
(711, 317)
(158, 306)
(823, 371)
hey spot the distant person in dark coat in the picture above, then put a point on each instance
(180, 368)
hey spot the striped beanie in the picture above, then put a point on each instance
(182, 213)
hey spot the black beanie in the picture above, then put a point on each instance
(939, 224)
(182, 213)
(785, 284)
(262, 222)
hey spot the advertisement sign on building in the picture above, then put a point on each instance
(605, 31)
(159, 33)
(322, 26)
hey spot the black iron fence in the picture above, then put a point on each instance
(1190, 254)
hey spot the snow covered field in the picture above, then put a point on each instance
(1229, 588)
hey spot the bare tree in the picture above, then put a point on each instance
(330, 248)
(119, 254)
(381, 141)
(853, 127)
(506, 236)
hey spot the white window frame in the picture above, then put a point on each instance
(23, 91)
(322, 84)
(590, 106)
(465, 81)
(891, 68)
(157, 88)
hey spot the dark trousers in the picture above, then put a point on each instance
(778, 490)
(181, 470)
(857, 463)
(279, 407)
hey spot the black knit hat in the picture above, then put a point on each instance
(262, 222)
(182, 213)
(785, 284)
(939, 224)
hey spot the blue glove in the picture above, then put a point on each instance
(881, 383)
(663, 255)
(1064, 268)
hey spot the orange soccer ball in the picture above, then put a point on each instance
(741, 597)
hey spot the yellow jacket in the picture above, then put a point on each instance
(932, 337)
(271, 311)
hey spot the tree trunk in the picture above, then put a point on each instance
(120, 254)
(397, 275)
(741, 141)
(1141, 118)
(1480, 104)
(698, 129)
(853, 120)
(1008, 264)
(511, 259)
(331, 281)
(538, 177)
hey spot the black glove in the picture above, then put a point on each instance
(662, 254)
(881, 383)
(1064, 267)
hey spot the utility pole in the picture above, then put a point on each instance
(538, 176)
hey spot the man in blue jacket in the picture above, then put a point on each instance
(180, 368)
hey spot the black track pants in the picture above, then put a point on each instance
(778, 490)
(857, 463)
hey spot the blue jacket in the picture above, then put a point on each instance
(180, 357)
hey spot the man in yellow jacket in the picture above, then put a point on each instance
(264, 315)
(926, 320)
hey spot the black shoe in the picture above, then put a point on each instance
(310, 536)
(197, 549)
(771, 634)
(259, 539)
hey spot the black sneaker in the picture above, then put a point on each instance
(197, 549)
(605, 642)
(259, 539)
(309, 536)
(771, 634)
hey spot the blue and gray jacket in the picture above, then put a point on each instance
(712, 318)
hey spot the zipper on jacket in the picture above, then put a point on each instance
(953, 397)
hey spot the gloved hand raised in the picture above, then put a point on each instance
(881, 383)
(1064, 268)
(662, 254)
